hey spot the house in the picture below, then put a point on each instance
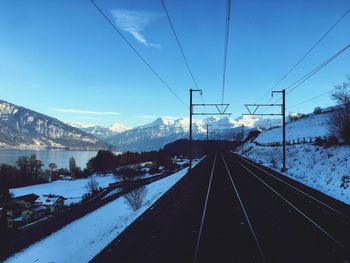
(26, 201)
(9, 216)
(53, 202)
(35, 212)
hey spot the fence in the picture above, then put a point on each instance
(304, 140)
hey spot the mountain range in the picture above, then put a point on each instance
(162, 131)
(22, 128)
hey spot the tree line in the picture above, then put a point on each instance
(107, 161)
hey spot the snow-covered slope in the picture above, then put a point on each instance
(326, 169)
(310, 126)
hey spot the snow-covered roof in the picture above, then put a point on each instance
(48, 200)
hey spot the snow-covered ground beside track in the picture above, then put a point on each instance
(84, 238)
(326, 169)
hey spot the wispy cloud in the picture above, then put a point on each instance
(147, 117)
(85, 111)
(134, 22)
(153, 117)
(88, 118)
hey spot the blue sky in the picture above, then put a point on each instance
(61, 58)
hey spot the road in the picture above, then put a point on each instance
(228, 209)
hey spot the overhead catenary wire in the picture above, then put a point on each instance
(300, 81)
(179, 44)
(307, 76)
(306, 54)
(311, 99)
(227, 30)
(137, 53)
(181, 49)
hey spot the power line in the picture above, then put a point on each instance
(311, 99)
(227, 30)
(308, 52)
(179, 45)
(138, 53)
(304, 78)
(181, 49)
(315, 70)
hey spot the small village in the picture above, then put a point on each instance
(26, 209)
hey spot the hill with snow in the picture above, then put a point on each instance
(323, 167)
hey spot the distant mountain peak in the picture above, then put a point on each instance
(22, 128)
(118, 127)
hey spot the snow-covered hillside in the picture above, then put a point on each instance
(326, 169)
(311, 126)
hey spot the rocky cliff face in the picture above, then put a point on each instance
(21, 128)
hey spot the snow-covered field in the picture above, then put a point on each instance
(84, 238)
(322, 168)
(72, 190)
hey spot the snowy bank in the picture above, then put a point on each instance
(326, 169)
(84, 238)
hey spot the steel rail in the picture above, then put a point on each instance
(341, 245)
(204, 212)
(244, 211)
(300, 191)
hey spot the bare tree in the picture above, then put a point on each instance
(135, 198)
(339, 121)
(92, 185)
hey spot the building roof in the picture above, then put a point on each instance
(30, 198)
(49, 199)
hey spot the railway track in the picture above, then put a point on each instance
(229, 209)
(222, 191)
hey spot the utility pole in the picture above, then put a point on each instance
(191, 114)
(208, 125)
(242, 138)
(252, 111)
(283, 113)
(221, 110)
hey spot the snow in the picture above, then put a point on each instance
(84, 238)
(312, 126)
(322, 168)
(113, 192)
(72, 190)
(47, 200)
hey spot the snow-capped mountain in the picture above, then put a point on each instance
(21, 128)
(118, 127)
(100, 131)
(161, 131)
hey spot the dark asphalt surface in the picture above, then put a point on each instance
(290, 226)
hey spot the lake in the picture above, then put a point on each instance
(59, 157)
